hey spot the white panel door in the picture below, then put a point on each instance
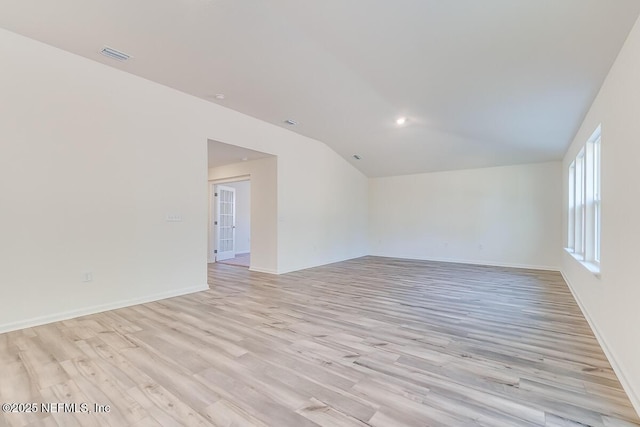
(225, 222)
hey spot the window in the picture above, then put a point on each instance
(584, 204)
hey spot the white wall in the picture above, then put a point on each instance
(92, 160)
(243, 215)
(501, 216)
(322, 213)
(264, 208)
(611, 302)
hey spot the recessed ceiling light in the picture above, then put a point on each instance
(219, 96)
(357, 157)
(244, 159)
(401, 120)
(115, 54)
(291, 122)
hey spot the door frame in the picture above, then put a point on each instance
(212, 242)
(220, 223)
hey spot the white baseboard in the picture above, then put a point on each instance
(43, 320)
(475, 262)
(626, 385)
(263, 270)
(325, 262)
(449, 260)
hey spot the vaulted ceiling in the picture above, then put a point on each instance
(481, 83)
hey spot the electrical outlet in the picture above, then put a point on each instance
(87, 277)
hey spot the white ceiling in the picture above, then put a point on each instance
(483, 83)
(221, 154)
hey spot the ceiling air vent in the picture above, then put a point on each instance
(115, 54)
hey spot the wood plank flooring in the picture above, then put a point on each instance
(241, 260)
(366, 342)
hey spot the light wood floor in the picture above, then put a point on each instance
(372, 341)
(241, 260)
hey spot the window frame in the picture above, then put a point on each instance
(584, 204)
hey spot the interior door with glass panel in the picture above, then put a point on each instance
(225, 222)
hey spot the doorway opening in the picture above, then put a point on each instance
(242, 226)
